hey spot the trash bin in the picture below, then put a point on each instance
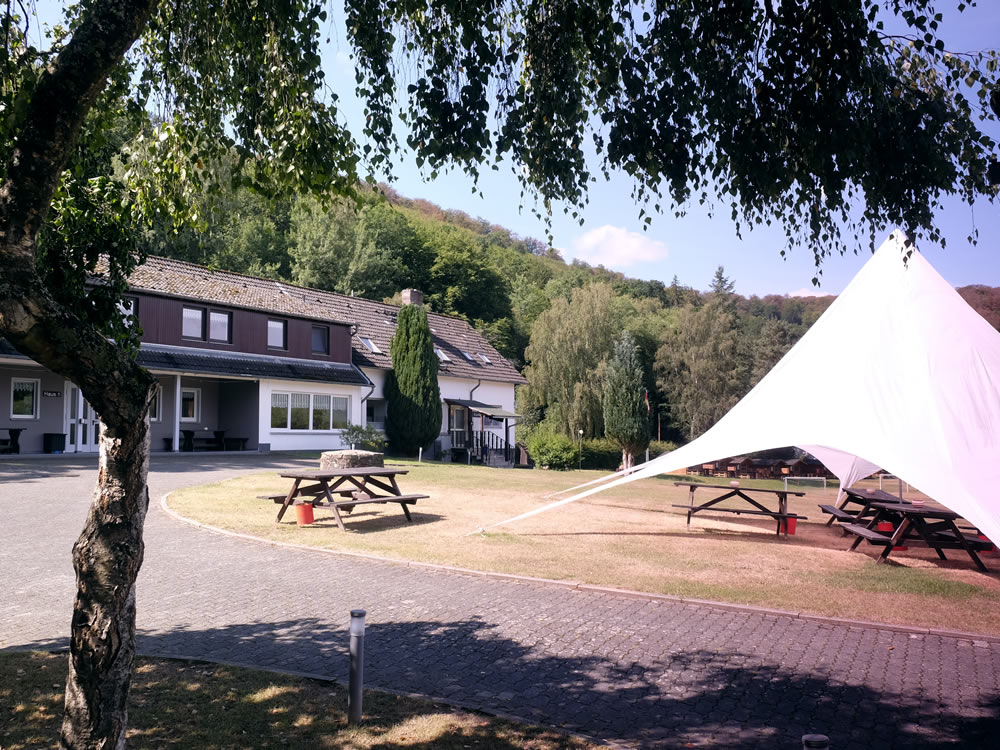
(53, 442)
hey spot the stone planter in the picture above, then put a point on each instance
(349, 459)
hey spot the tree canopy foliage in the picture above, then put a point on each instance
(783, 111)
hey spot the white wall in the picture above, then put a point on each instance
(282, 440)
(378, 380)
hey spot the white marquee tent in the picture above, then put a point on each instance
(899, 374)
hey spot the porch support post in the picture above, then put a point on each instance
(177, 412)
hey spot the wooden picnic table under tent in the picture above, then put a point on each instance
(898, 374)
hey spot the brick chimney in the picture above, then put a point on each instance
(413, 297)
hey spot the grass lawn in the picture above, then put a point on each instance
(210, 706)
(631, 538)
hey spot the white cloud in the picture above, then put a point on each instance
(617, 248)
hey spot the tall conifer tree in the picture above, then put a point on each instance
(626, 412)
(413, 416)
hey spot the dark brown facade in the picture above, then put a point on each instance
(162, 318)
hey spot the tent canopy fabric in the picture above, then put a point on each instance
(899, 374)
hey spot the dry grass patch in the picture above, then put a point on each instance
(628, 537)
(211, 707)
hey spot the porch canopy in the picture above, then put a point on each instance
(497, 412)
(899, 374)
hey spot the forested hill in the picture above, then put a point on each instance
(555, 320)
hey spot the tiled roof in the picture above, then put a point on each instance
(375, 320)
(247, 365)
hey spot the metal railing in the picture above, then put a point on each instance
(483, 445)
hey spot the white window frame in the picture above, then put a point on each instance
(312, 340)
(441, 354)
(485, 358)
(284, 334)
(203, 311)
(467, 355)
(370, 345)
(158, 404)
(229, 326)
(288, 419)
(36, 406)
(128, 308)
(197, 405)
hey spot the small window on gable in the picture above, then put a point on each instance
(467, 356)
(484, 358)
(193, 325)
(220, 327)
(320, 340)
(370, 345)
(277, 334)
(441, 355)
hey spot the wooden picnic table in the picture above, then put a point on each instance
(358, 486)
(934, 527)
(859, 496)
(781, 515)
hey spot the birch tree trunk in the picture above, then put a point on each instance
(107, 557)
(109, 552)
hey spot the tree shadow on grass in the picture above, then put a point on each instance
(366, 521)
(687, 698)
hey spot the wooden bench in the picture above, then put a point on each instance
(777, 516)
(347, 504)
(738, 511)
(874, 537)
(839, 513)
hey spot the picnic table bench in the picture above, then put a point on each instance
(858, 496)
(781, 515)
(12, 443)
(919, 524)
(357, 486)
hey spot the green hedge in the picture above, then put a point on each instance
(552, 451)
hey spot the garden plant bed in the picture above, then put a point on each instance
(630, 538)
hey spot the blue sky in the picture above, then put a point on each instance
(691, 247)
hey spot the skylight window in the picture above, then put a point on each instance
(468, 356)
(485, 358)
(371, 345)
(441, 355)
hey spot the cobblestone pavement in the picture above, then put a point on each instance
(642, 672)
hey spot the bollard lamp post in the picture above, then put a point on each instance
(356, 683)
(580, 433)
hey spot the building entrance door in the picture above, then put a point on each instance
(82, 425)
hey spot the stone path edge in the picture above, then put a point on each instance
(578, 586)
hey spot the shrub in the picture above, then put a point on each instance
(602, 453)
(552, 451)
(659, 447)
(365, 438)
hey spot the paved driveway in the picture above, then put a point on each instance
(644, 672)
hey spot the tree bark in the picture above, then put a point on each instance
(109, 552)
(107, 557)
